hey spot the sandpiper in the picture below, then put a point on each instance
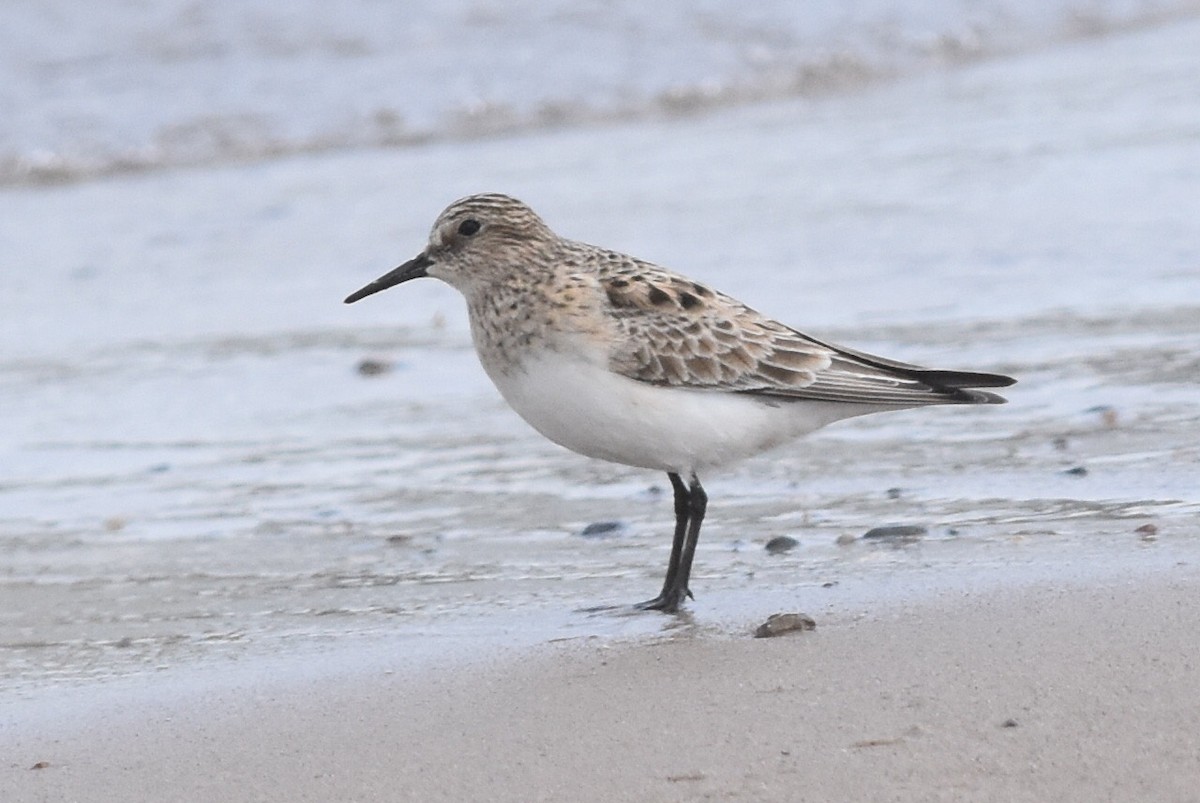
(623, 360)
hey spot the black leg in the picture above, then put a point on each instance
(690, 504)
(697, 505)
(682, 506)
(681, 521)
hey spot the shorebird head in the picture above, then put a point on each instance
(475, 241)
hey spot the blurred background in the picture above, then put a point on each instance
(96, 89)
(203, 452)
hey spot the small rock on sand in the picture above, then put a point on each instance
(905, 533)
(373, 367)
(779, 623)
(781, 543)
(604, 529)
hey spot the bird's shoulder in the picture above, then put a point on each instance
(674, 330)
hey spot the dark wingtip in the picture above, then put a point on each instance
(963, 379)
(996, 381)
(963, 386)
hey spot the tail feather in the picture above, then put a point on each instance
(969, 396)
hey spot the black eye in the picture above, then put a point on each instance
(468, 227)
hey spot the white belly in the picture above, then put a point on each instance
(592, 411)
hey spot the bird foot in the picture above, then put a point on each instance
(667, 602)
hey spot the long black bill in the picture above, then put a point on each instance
(412, 269)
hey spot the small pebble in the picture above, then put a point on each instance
(41, 765)
(1147, 529)
(779, 623)
(1008, 723)
(781, 543)
(604, 529)
(896, 532)
(1076, 471)
(373, 367)
(845, 539)
(894, 493)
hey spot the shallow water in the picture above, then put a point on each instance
(194, 469)
(92, 90)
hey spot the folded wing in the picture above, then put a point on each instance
(680, 333)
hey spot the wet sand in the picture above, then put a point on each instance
(1062, 692)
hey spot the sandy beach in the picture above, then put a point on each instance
(257, 545)
(1065, 692)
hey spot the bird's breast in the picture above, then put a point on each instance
(513, 323)
(580, 404)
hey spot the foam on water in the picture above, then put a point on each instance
(91, 89)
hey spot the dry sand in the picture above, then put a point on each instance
(1081, 693)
